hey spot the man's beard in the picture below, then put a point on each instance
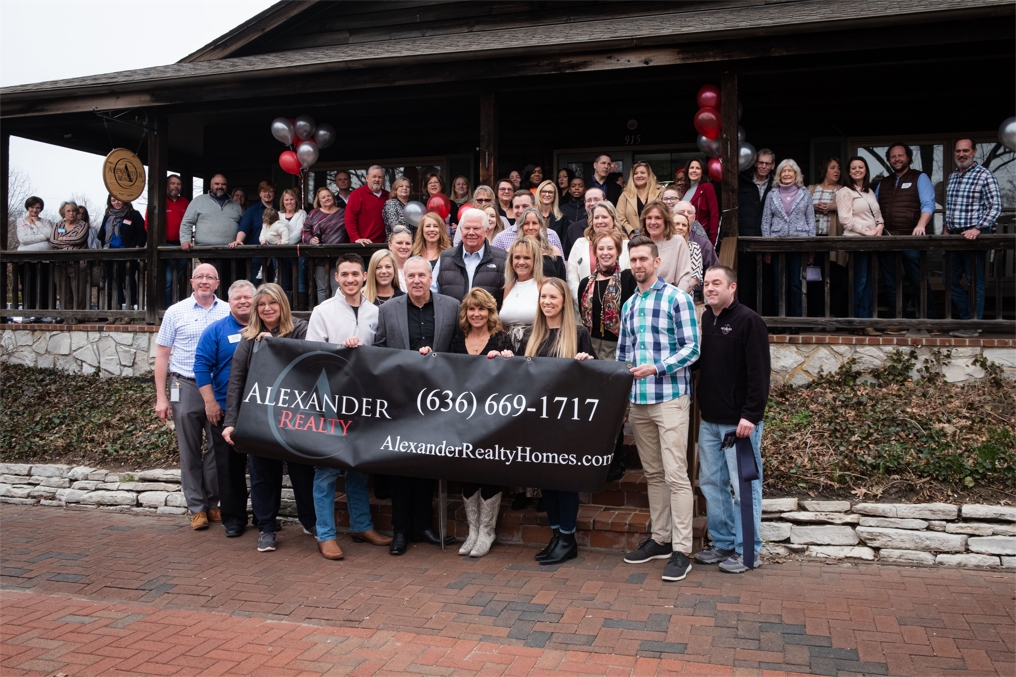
(964, 165)
(219, 194)
(174, 194)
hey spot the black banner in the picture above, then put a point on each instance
(536, 422)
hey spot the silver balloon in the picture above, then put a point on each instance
(308, 153)
(304, 127)
(711, 147)
(282, 130)
(745, 156)
(414, 211)
(741, 134)
(1007, 133)
(324, 135)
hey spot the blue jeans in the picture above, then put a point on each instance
(717, 473)
(793, 263)
(863, 280)
(912, 272)
(960, 266)
(357, 501)
(562, 509)
(181, 275)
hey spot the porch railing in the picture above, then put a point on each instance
(32, 281)
(936, 256)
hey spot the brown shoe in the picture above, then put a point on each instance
(214, 515)
(330, 549)
(372, 537)
(199, 521)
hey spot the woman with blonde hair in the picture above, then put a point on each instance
(461, 195)
(556, 334)
(523, 277)
(293, 216)
(431, 238)
(550, 210)
(582, 258)
(531, 224)
(401, 246)
(272, 318)
(382, 278)
(641, 189)
(480, 333)
(675, 256)
(392, 213)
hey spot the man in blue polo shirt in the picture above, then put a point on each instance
(212, 360)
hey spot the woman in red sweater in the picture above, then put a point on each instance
(702, 194)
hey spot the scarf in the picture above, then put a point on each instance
(113, 219)
(610, 311)
(76, 236)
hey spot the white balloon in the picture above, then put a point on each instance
(711, 147)
(324, 135)
(1007, 133)
(308, 153)
(304, 127)
(745, 156)
(413, 212)
(282, 130)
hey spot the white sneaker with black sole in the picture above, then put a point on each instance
(677, 567)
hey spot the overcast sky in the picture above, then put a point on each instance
(35, 48)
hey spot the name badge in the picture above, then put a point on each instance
(234, 338)
(126, 222)
(174, 392)
(906, 185)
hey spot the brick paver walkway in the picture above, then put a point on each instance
(99, 593)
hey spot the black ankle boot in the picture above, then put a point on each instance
(540, 556)
(562, 551)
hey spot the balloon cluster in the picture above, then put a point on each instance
(437, 203)
(305, 140)
(707, 124)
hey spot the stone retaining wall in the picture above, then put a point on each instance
(969, 535)
(144, 491)
(129, 350)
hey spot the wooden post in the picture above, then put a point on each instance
(728, 146)
(488, 139)
(5, 219)
(158, 151)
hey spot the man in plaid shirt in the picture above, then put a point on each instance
(972, 204)
(659, 336)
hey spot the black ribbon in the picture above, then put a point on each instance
(747, 472)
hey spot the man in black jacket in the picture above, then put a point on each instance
(733, 389)
(471, 263)
(602, 167)
(752, 190)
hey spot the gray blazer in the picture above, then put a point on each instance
(393, 323)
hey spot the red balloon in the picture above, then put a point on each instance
(463, 208)
(707, 123)
(440, 204)
(715, 169)
(709, 97)
(289, 162)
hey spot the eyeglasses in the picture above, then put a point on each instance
(401, 229)
(201, 278)
(547, 192)
(760, 163)
(506, 189)
(482, 200)
(670, 200)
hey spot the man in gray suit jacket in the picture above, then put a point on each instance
(425, 322)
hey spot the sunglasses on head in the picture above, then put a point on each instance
(401, 229)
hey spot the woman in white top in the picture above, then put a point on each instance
(292, 217)
(581, 259)
(401, 245)
(523, 278)
(860, 216)
(33, 235)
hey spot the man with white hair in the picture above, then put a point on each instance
(364, 223)
(471, 263)
(697, 234)
(577, 229)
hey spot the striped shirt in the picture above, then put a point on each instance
(181, 330)
(658, 327)
(972, 200)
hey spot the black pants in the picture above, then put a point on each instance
(30, 287)
(231, 469)
(412, 504)
(266, 492)
(747, 279)
(121, 276)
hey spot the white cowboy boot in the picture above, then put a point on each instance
(488, 525)
(472, 505)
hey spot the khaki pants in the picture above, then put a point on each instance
(605, 350)
(661, 436)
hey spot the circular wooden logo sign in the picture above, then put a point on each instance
(124, 175)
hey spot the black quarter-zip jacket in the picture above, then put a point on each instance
(733, 366)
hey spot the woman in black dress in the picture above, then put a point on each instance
(556, 334)
(480, 333)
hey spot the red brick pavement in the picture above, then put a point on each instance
(100, 593)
